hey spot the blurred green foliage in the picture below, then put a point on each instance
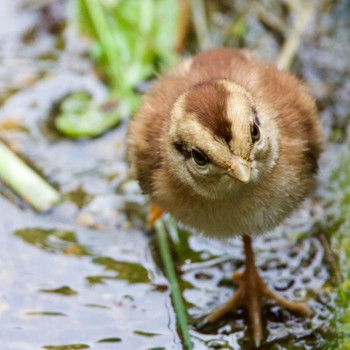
(130, 41)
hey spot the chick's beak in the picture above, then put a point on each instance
(239, 169)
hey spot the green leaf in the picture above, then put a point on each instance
(79, 116)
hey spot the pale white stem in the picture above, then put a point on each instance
(25, 182)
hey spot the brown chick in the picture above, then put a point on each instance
(228, 145)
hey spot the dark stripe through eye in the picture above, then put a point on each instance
(256, 120)
(180, 147)
(199, 157)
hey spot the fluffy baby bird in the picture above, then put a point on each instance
(229, 146)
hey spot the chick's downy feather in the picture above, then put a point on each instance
(289, 122)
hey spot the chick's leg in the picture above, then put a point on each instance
(250, 293)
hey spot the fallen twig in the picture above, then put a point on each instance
(303, 13)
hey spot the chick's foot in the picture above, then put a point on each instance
(251, 292)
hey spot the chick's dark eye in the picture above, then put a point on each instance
(199, 157)
(255, 132)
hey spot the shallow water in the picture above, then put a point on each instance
(86, 274)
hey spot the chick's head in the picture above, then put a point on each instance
(219, 139)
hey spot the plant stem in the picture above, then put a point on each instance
(303, 12)
(25, 182)
(175, 289)
(200, 23)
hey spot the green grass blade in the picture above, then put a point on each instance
(175, 289)
(25, 182)
(104, 34)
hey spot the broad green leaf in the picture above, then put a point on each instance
(79, 116)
